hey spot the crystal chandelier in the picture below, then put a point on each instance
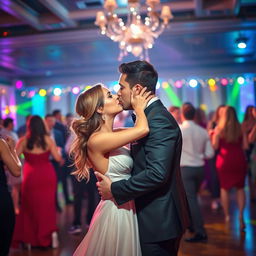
(136, 36)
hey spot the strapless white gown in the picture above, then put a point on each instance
(114, 229)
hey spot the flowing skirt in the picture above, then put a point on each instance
(113, 231)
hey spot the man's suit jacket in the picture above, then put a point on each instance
(156, 183)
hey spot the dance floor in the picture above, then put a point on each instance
(223, 238)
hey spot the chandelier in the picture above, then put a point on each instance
(136, 36)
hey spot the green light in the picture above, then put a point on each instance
(173, 96)
(233, 98)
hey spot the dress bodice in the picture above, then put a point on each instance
(120, 164)
(38, 158)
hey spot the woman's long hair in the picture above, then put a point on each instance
(230, 128)
(87, 104)
(36, 132)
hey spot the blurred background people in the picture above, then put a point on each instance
(9, 158)
(231, 164)
(22, 129)
(175, 111)
(14, 182)
(248, 125)
(36, 221)
(200, 118)
(57, 136)
(212, 178)
(80, 190)
(59, 124)
(195, 148)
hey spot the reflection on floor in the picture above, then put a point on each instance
(223, 239)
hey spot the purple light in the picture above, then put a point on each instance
(31, 94)
(75, 90)
(224, 81)
(19, 84)
(178, 84)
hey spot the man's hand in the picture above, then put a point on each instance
(104, 186)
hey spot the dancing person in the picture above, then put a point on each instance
(230, 161)
(79, 189)
(36, 221)
(248, 125)
(175, 111)
(156, 184)
(212, 178)
(9, 158)
(196, 147)
(113, 229)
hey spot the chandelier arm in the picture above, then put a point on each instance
(111, 31)
(159, 30)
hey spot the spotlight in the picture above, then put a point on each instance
(75, 90)
(241, 42)
(42, 92)
(240, 80)
(178, 84)
(211, 82)
(224, 81)
(19, 84)
(57, 91)
(193, 83)
(165, 85)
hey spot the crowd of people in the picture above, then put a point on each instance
(218, 153)
(32, 201)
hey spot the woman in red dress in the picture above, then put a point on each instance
(37, 218)
(231, 162)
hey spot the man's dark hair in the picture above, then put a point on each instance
(56, 112)
(49, 115)
(188, 111)
(69, 115)
(7, 121)
(140, 72)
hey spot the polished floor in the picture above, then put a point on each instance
(223, 238)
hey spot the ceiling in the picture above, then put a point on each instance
(51, 39)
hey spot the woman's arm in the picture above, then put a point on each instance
(216, 139)
(10, 157)
(107, 141)
(53, 149)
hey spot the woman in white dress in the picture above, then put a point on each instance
(113, 230)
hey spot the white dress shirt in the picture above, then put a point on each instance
(196, 144)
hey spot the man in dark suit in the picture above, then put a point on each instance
(156, 183)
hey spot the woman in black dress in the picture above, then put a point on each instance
(8, 158)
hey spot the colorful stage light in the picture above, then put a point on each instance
(240, 80)
(211, 82)
(42, 92)
(75, 90)
(165, 85)
(158, 85)
(57, 91)
(19, 84)
(193, 83)
(224, 81)
(88, 87)
(178, 84)
(116, 87)
(31, 94)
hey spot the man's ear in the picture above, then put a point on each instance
(137, 88)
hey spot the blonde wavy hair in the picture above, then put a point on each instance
(87, 104)
(230, 128)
